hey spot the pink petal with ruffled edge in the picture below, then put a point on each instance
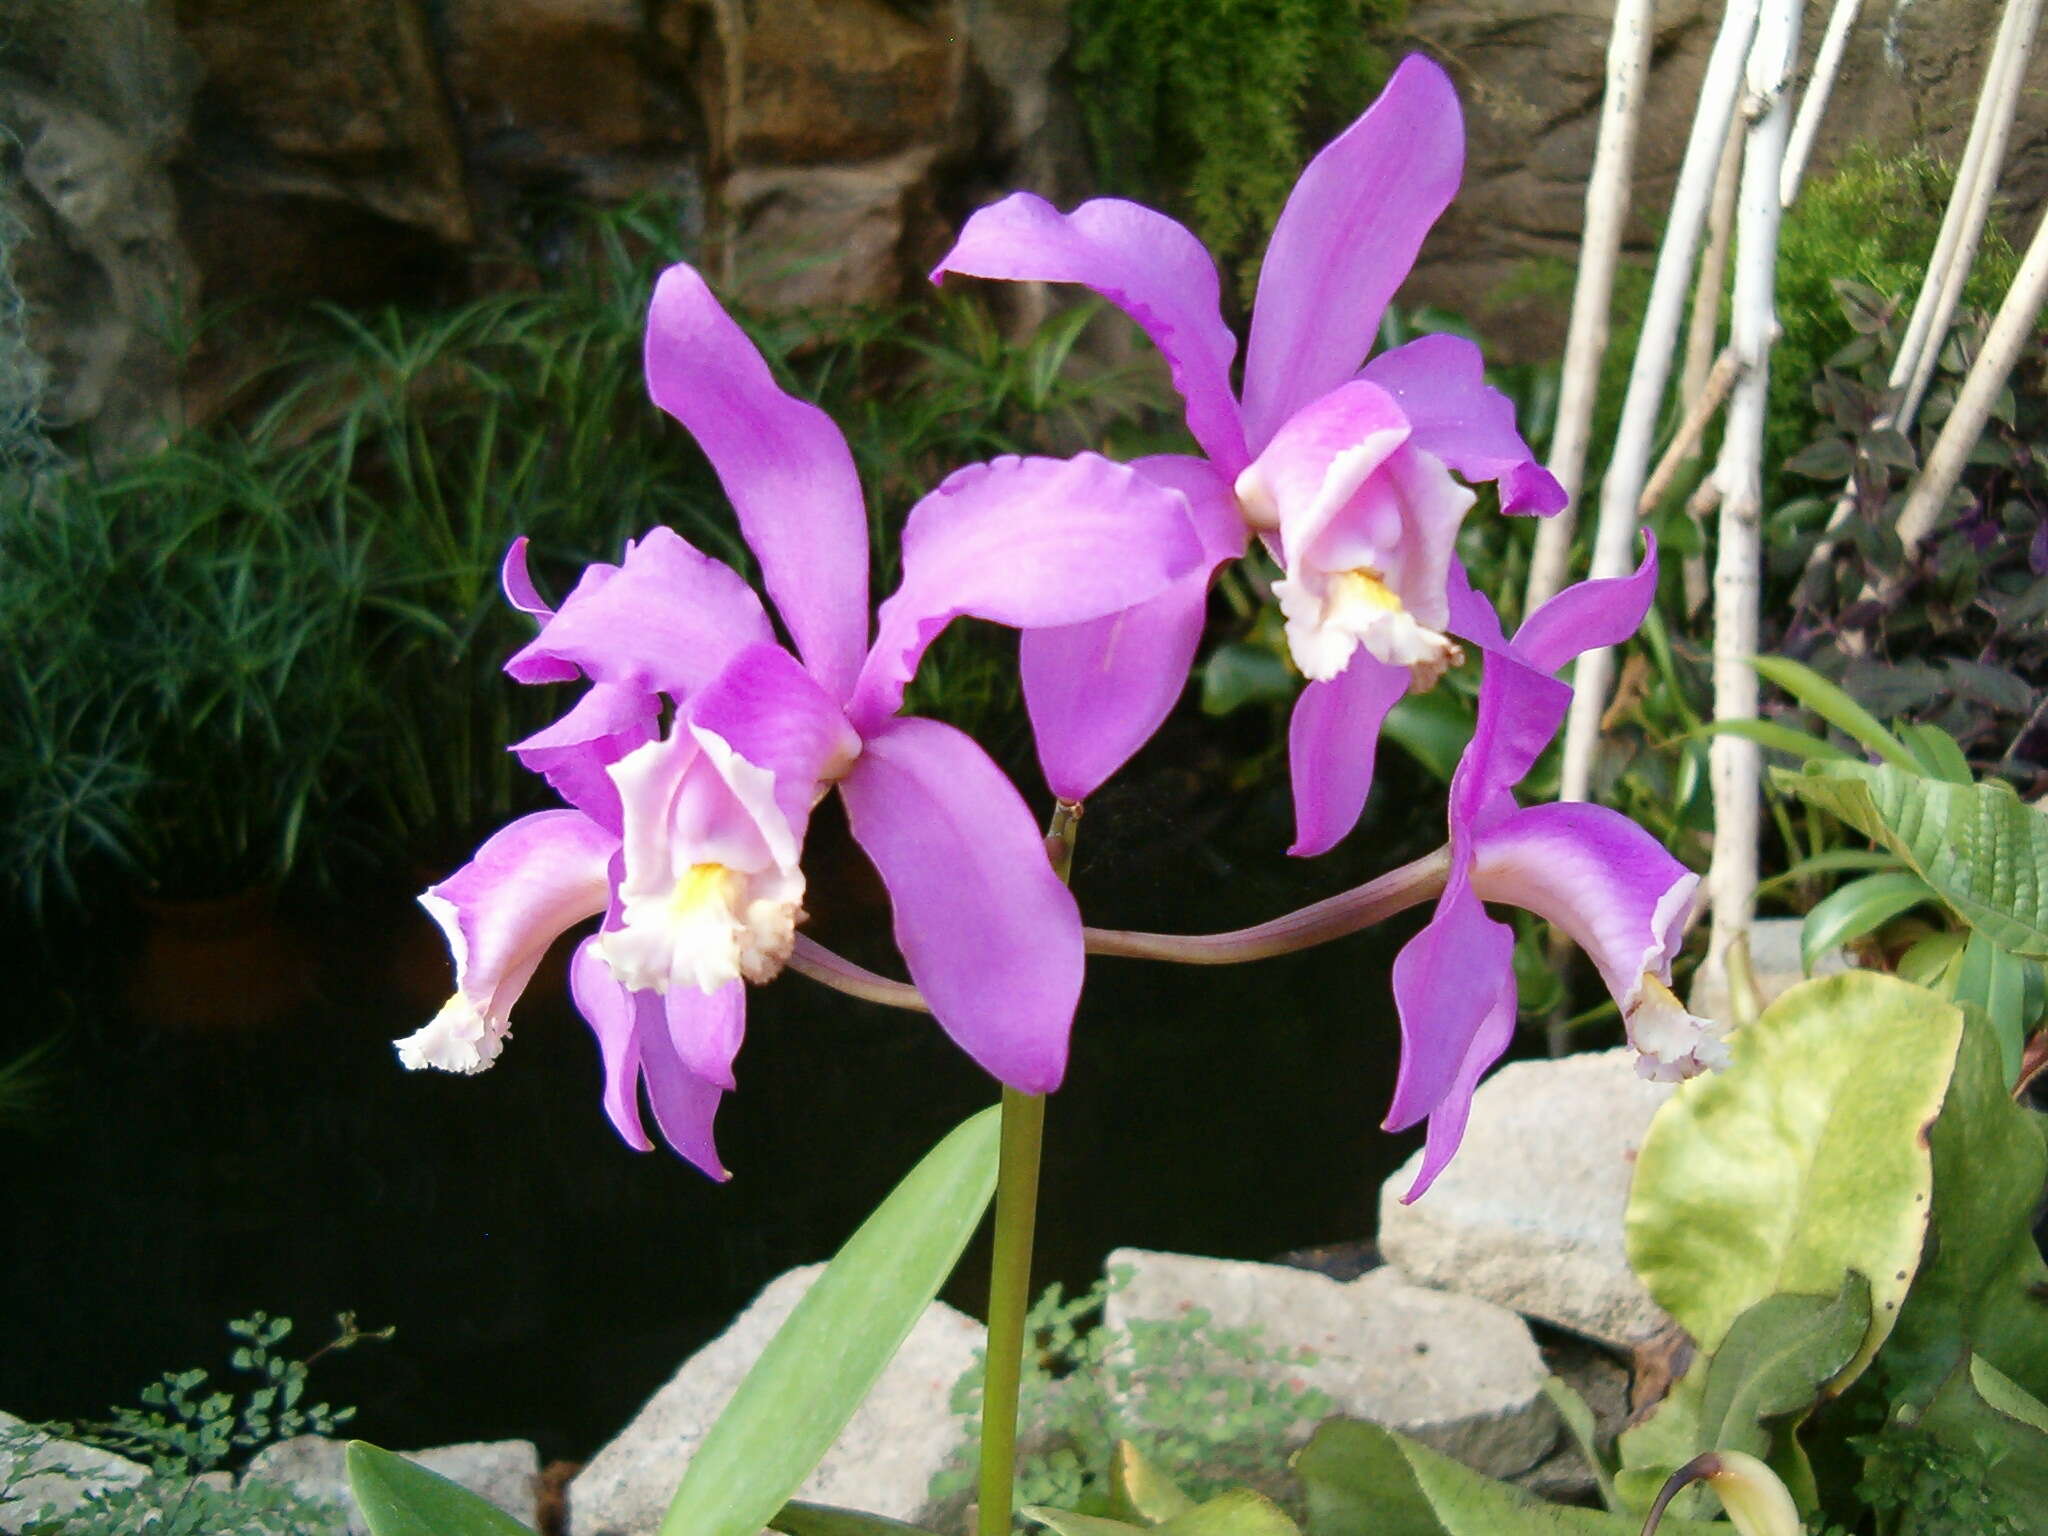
(666, 620)
(774, 715)
(1345, 242)
(520, 591)
(784, 465)
(1317, 463)
(1144, 263)
(1440, 383)
(1098, 690)
(1031, 543)
(1332, 741)
(527, 885)
(991, 936)
(572, 754)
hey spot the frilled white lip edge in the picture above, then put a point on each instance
(457, 1039)
(1671, 1043)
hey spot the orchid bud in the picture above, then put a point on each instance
(1756, 1499)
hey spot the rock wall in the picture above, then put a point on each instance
(173, 152)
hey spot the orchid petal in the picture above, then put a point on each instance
(1144, 263)
(1345, 241)
(1520, 710)
(1331, 743)
(774, 715)
(609, 721)
(1597, 876)
(784, 465)
(520, 591)
(1032, 543)
(991, 936)
(706, 1030)
(1472, 615)
(1447, 1121)
(527, 885)
(613, 1016)
(1098, 690)
(684, 1104)
(1440, 383)
(1589, 615)
(1447, 982)
(1318, 461)
(666, 620)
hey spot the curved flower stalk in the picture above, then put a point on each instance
(693, 761)
(1345, 473)
(1590, 871)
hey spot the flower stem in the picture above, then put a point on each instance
(1009, 1299)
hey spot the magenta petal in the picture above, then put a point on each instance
(1319, 461)
(684, 1103)
(1345, 241)
(1440, 383)
(1589, 615)
(520, 591)
(706, 1031)
(773, 713)
(613, 1016)
(666, 620)
(609, 721)
(782, 462)
(991, 936)
(1495, 1034)
(1031, 543)
(1097, 691)
(1519, 712)
(1472, 616)
(1331, 742)
(1447, 982)
(1596, 875)
(1144, 263)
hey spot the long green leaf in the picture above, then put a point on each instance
(1983, 851)
(1835, 707)
(836, 1343)
(799, 1519)
(398, 1497)
(1852, 910)
(1779, 738)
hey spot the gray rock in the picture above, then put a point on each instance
(60, 1474)
(504, 1472)
(883, 1460)
(1457, 1374)
(1529, 1214)
(1774, 960)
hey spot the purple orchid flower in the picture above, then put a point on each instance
(1344, 472)
(1591, 871)
(689, 838)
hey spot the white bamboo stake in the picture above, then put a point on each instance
(1826, 65)
(1607, 200)
(2010, 332)
(1615, 539)
(2000, 99)
(1734, 764)
(1703, 332)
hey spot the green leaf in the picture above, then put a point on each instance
(1801, 1162)
(1244, 672)
(398, 1497)
(800, 1519)
(822, 1361)
(1997, 981)
(2007, 1395)
(1239, 1512)
(1850, 911)
(1926, 962)
(1835, 707)
(1982, 850)
(1984, 1287)
(1936, 752)
(2015, 1450)
(1578, 1418)
(1832, 862)
(1363, 1480)
(1779, 738)
(1140, 1491)
(1432, 728)
(1776, 1358)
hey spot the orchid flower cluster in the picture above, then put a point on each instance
(691, 762)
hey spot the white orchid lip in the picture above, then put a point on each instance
(1671, 1044)
(460, 1038)
(713, 926)
(1330, 615)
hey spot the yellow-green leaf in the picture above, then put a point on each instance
(1140, 1491)
(398, 1497)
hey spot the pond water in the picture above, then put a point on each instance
(543, 1278)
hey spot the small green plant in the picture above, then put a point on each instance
(184, 1429)
(1210, 1407)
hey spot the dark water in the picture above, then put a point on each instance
(544, 1278)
